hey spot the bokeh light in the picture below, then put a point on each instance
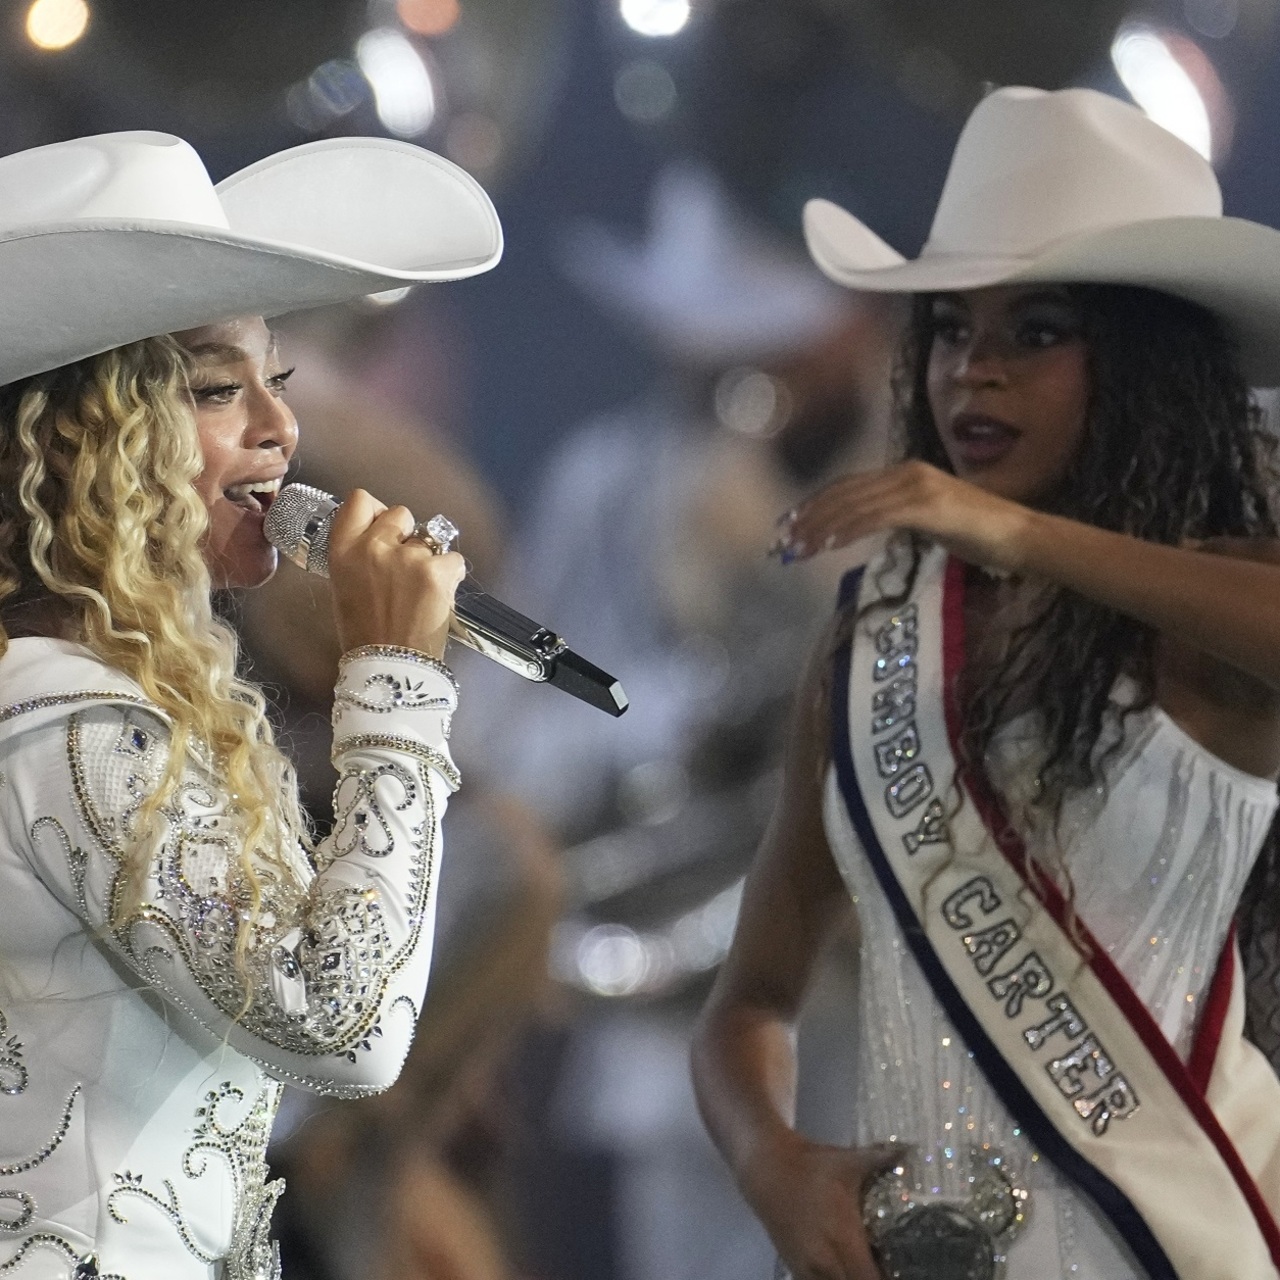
(1161, 86)
(332, 90)
(751, 402)
(1216, 19)
(428, 17)
(55, 24)
(402, 91)
(656, 17)
(474, 141)
(644, 91)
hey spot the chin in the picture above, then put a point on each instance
(1012, 483)
(243, 572)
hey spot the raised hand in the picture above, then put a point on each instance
(968, 521)
(389, 587)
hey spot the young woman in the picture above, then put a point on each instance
(1039, 750)
(172, 948)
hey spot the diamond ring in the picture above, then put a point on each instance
(438, 533)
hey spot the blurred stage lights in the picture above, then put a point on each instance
(402, 91)
(644, 91)
(332, 90)
(656, 17)
(616, 961)
(428, 17)
(474, 141)
(752, 402)
(1162, 87)
(56, 24)
(1216, 19)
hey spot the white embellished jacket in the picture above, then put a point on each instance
(137, 1090)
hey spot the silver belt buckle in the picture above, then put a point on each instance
(918, 1232)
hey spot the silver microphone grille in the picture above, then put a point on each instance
(297, 525)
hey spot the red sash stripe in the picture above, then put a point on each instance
(1109, 1198)
(1191, 1082)
(1204, 1052)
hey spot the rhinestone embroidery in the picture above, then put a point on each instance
(13, 1073)
(384, 692)
(395, 653)
(50, 1146)
(319, 964)
(67, 699)
(344, 954)
(83, 1268)
(358, 815)
(25, 1214)
(242, 1147)
(394, 742)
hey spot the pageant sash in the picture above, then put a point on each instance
(1057, 1030)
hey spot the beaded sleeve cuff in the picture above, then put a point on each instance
(398, 653)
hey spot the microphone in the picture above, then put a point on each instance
(297, 525)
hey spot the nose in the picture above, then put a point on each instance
(271, 423)
(980, 362)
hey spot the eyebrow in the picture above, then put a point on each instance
(228, 352)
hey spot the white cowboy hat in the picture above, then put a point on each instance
(707, 286)
(1075, 186)
(109, 239)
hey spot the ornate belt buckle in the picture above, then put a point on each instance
(918, 1232)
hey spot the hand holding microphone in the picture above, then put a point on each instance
(389, 586)
(392, 584)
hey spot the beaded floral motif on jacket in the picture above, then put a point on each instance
(331, 936)
(240, 1145)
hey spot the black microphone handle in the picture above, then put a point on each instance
(531, 650)
(298, 524)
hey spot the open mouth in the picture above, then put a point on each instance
(980, 439)
(254, 495)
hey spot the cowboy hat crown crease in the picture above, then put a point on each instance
(1032, 168)
(141, 175)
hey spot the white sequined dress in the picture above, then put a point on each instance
(1158, 856)
(137, 1085)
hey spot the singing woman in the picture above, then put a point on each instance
(173, 947)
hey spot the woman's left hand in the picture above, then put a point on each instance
(968, 521)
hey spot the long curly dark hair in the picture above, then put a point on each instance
(1174, 448)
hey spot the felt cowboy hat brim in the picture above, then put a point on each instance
(1230, 266)
(107, 240)
(1075, 187)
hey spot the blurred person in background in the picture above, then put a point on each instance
(644, 543)
(1039, 748)
(173, 945)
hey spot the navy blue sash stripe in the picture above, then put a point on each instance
(1003, 1079)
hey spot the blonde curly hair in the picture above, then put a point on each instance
(100, 524)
